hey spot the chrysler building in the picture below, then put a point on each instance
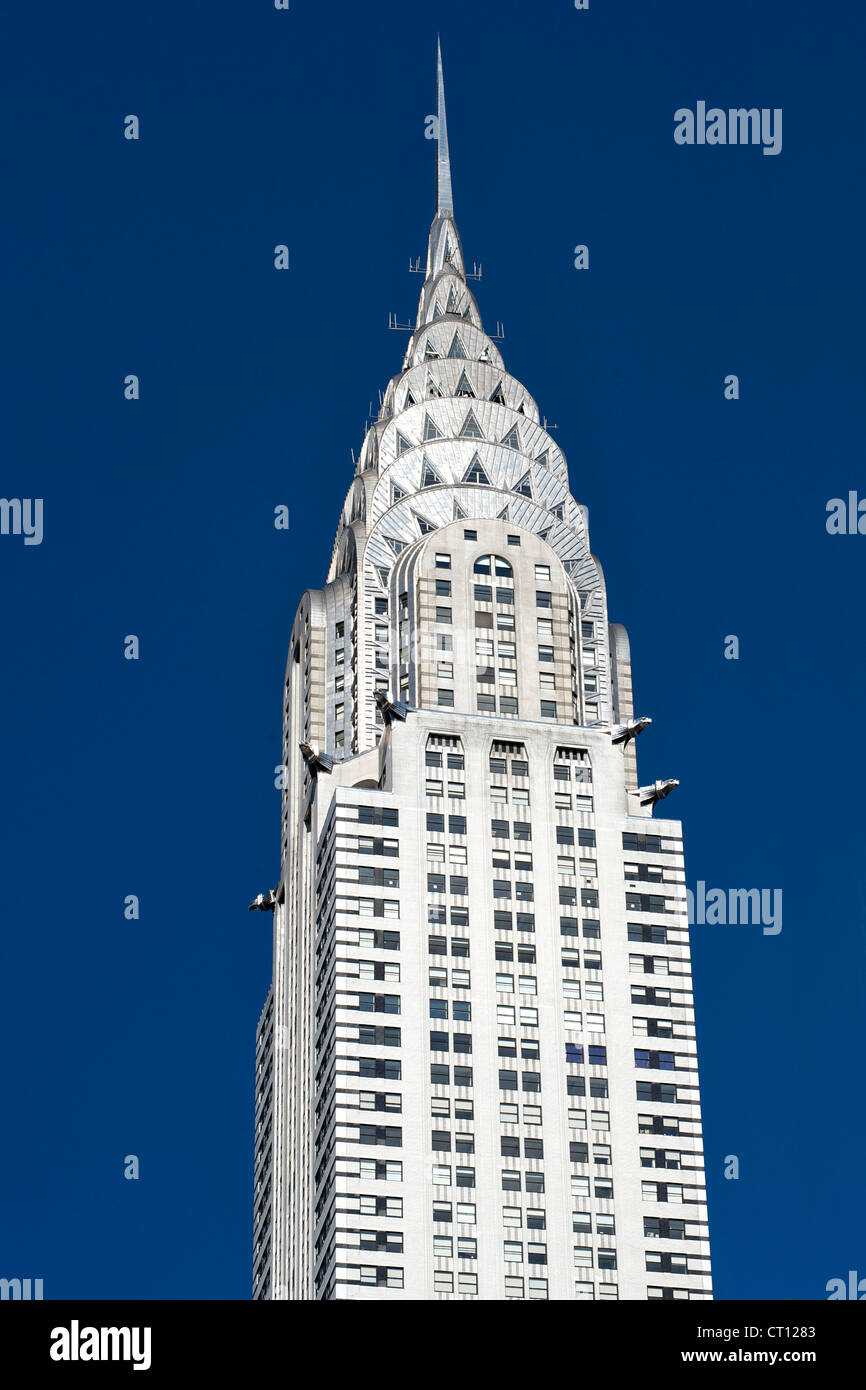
(476, 1064)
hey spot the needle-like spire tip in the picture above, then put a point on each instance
(444, 198)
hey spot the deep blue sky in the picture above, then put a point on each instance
(156, 777)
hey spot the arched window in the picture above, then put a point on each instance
(493, 564)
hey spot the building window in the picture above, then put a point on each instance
(493, 564)
(663, 1061)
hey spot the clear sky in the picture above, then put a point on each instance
(155, 777)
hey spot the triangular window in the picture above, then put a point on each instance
(498, 394)
(437, 310)
(520, 409)
(395, 545)
(383, 576)
(410, 400)
(430, 352)
(512, 439)
(402, 444)
(464, 387)
(429, 476)
(523, 486)
(475, 472)
(466, 313)
(432, 389)
(542, 535)
(503, 515)
(396, 493)
(430, 429)
(424, 526)
(470, 429)
(459, 514)
(451, 307)
(456, 349)
(558, 512)
(543, 459)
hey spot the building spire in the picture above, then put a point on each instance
(444, 198)
(445, 291)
